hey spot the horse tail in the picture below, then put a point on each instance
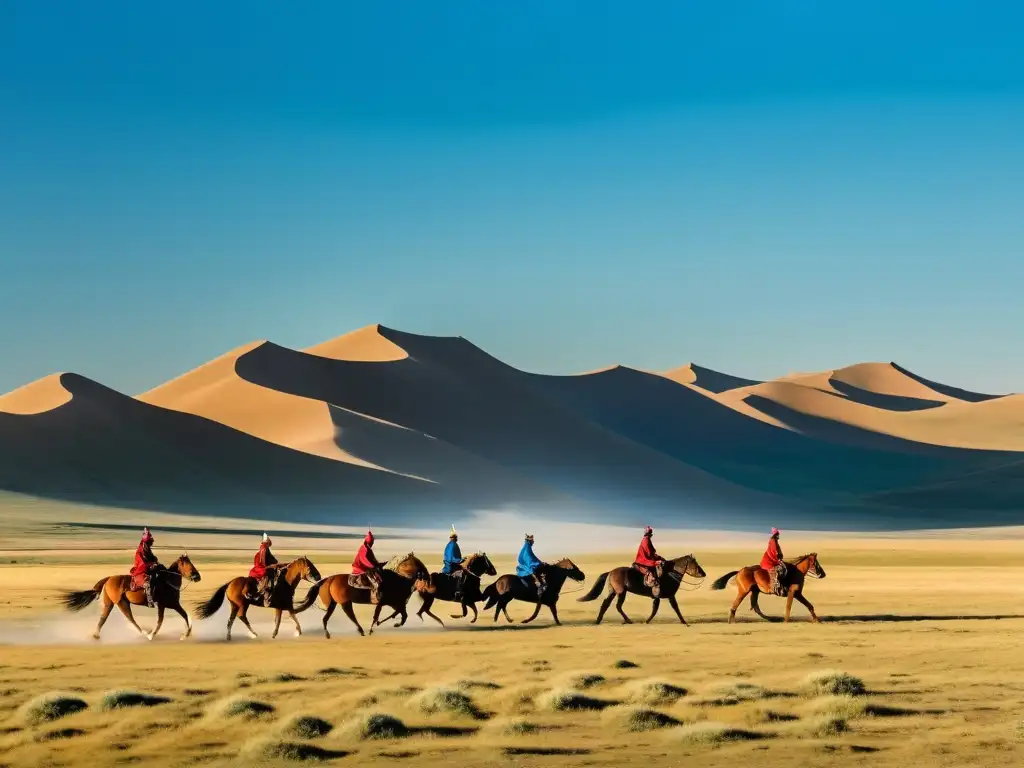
(211, 606)
(595, 590)
(720, 583)
(491, 595)
(76, 601)
(310, 598)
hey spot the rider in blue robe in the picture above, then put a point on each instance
(528, 565)
(453, 561)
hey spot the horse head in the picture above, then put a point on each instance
(480, 564)
(185, 568)
(304, 569)
(815, 566)
(571, 569)
(411, 567)
(688, 566)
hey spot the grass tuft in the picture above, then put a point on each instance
(307, 727)
(292, 751)
(435, 701)
(581, 679)
(637, 719)
(243, 707)
(654, 692)
(569, 700)
(824, 726)
(376, 725)
(833, 682)
(708, 733)
(469, 685)
(625, 664)
(125, 699)
(50, 707)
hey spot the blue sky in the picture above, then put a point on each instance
(759, 187)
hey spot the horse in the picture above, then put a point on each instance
(398, 579)
(239, 588)
(116, 590)
(628, 579)
(753, 580)
(512, 587)
(441, 586)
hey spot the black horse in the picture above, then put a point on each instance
(511, 587)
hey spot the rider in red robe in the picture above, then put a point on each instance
(649, 562)
(366, 570)
(773, 563)
(146, 563)
(263, 572)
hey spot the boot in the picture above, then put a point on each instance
(150, 600)
(656, 589)
(374, 590)
(458, 587)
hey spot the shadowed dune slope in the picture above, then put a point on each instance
(449, 389)
(103, 447)
(685, 423)
(707, 379)
(240, 390)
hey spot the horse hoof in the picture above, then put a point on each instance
(150, 636)
(298, 633)
(327, 635)
(96, 636)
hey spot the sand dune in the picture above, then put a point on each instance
(396, 424)
(707, 379)
(38, 397)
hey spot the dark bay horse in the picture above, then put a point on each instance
(442, 587)
(754, 580)
(628, 579)
(238, 591)
(398, 579)
(116, 590)
(511, 587)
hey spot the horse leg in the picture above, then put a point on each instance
(376, 617)
(295, 620)
(618, 607)
(738, 601)
(108, 606)
(159, 621)
(675, 607)
(654, 609)
(277, 623)
(604, 606)
(554, 614)
(426, 602)
(506, 599)
(243, 610)
(188, 620)
(534, 614)
(426, 608)
(405, 617)
(464, 611)
(347, 608)
(126, 608)
(789, 601)
(475, 612)
(755, 605)
(231, 619)
(327, 617)
(807, 604)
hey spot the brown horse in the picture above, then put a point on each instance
(116, 590)
(239, 589)
(512, 587)
(754, 580)
(398, 579)
(628, 579)
(442, 587)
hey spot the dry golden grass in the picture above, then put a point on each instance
(930, 630)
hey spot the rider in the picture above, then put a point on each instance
(649, 562)
(146, 564)
(367, 569)
(262, 572)
(773, 563)
(529, 566)
(453, 561)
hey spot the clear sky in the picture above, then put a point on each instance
(759, 187)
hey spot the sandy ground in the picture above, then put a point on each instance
(931, 627)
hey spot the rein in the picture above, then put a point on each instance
(681, 578)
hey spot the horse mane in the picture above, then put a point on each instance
(397, 560)
(802, 558)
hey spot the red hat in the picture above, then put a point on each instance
(648, 531)
(368, 541)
